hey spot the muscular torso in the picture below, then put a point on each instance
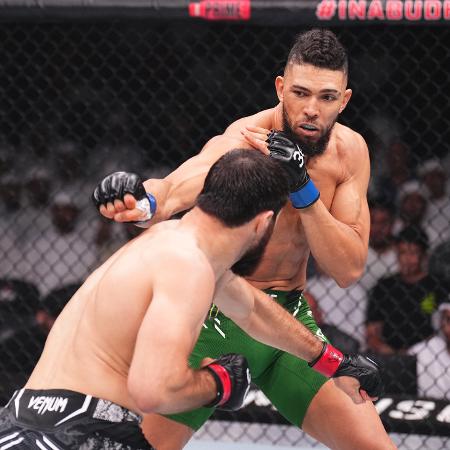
(284, 263)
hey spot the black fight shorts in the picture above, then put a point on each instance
(58, 419)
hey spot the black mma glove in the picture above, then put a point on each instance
(283, 149)
(332, 363)
(232, 376)
(115, 186)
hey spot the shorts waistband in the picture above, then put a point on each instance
(54, 407)
(288, 299)
(285, 297)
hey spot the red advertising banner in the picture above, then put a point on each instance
(261, 12)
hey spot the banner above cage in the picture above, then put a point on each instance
(260, 12)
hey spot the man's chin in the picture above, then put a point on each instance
(312, 147)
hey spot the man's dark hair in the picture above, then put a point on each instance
(413, 235)
(242, 184)
(320, 48)
(382, 202)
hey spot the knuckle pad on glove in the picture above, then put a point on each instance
(365, 371)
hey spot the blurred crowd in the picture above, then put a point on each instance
(51, 238)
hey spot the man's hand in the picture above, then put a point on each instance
(292, 158)
(361, 376)
(121, 196)
(256, 137)
(232, 376)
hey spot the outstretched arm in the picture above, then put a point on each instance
(259, 316)
(266, 321)
(178, 191)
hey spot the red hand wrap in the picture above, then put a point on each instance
(329, 362)
(225, 379)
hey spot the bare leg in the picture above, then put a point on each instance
(164, 433)
(333, 419)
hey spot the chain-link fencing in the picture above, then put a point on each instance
(80, 100)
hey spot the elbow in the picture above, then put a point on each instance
(146, 395)
(147, 404)
(344, 282)
(346, 279)
(352, 273)
(159, 394)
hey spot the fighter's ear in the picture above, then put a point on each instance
(263, 222)
(346, 99)
(279, 85)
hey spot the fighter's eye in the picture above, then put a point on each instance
(329, 98)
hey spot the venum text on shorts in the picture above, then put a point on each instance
(43, 403)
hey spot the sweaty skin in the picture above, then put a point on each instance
(127, 333)
(335, 230)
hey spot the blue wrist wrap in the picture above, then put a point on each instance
(305, 196)
(152, 201)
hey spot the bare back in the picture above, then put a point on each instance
(91, 346)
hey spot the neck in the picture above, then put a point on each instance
(277, 120)
(413, 277)
(223, 246)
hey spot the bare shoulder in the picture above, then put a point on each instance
(175, 256)
(263, 119)
(351, 148)
(232, 137)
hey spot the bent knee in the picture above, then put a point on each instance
(333, 419)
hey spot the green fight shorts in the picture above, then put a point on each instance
(288, 382)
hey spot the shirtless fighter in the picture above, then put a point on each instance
(121, 346)
(333, 226)
(99, 373)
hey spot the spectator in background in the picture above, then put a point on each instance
(334, 334)
(412, 207)
(381, 257)
(10, 194)
(38, 190)
(343, 307)
(400, 306)
(433, 358)
(396, 170)
(63, 253)
(437, 216)
(11, 227)
(25, 322)
(68, 160)
(38, 187)
(19, 301)
(439, 264)
(111, 236)
(398, 163)
(70, 174)
(7, 157)
(52, 304)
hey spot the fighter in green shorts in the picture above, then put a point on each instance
(319, 155)
(288, 382)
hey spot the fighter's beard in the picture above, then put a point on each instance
(249, 262)
(308, 147)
